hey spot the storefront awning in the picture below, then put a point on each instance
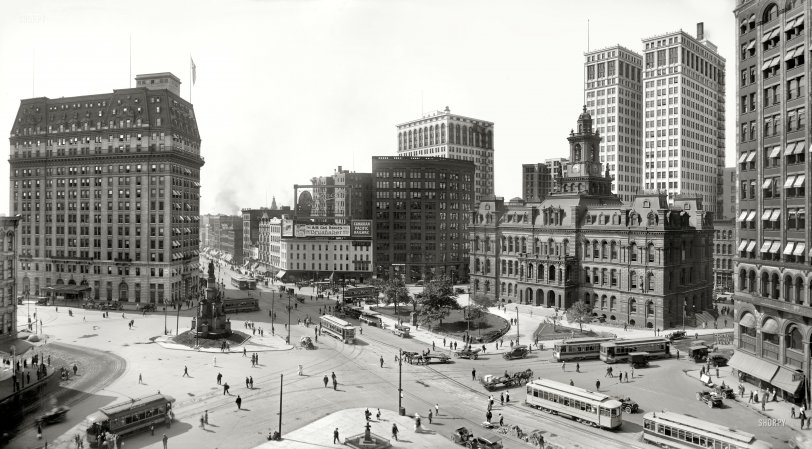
(776, 246)
(748, 320)
(799, 181)
(753, 366)
(743, 215)
(280, 274)
(799, 147)
(766, 214)
(742, 157)
(800, 247)
(787, 380)
(742, 245)
(790, 148)
(766, 246)
(776, 151)
(776, 215)
(788, 183)
(751, 215)
(770, 326)
(767, 183)
(789, 248)
(751, 156)
(751, 245)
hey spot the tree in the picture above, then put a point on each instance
(477, 307)
(579, 313)
(437, 300)
(394, 291)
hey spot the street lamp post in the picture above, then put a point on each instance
(166, 331)
(290, 311)
(400, 382)
(517, 325)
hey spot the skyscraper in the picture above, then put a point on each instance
(684, 116)
(442, 134)
(614, 96)
(107, 187)
(772, 273)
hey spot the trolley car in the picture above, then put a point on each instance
(618, 350)
(579, 349)
(244, 283)
(130, 416)
(589, 407)
(675, 431)
(338, 328)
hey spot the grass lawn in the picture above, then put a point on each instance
(188, 338)
(490, 327)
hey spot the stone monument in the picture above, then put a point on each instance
(212, 321)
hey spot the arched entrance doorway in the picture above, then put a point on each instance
(528, 295)
(123, 292)
(550, 298)
(539, 297)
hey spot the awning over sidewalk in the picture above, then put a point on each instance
(787, 380)
(280, 274)
(753, 366)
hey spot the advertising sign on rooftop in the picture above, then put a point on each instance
(362, 228)
(316, 230)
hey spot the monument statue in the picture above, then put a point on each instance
(211, 270)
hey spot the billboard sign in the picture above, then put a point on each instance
(287, 228)
(362, 228)
(314, 230)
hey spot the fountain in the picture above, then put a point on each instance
(367, 440)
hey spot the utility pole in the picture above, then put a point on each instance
(400, 383)
(517, 325)
(281, 377)
(290, 311)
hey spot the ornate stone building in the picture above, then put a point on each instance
(8, 302)
(644, 263)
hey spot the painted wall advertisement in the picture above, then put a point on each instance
(315, 230)
(362, 228)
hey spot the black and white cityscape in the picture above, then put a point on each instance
(486, 225)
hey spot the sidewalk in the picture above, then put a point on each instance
(778, 409)
(351, 422)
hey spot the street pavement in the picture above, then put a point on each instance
(312, 411)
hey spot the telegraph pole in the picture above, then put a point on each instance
(400, 382)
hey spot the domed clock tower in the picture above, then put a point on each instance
(585, 166)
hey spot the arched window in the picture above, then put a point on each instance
(632, 305)
(633, 279)
(587, 277)
(651, 252)
(650, 281)
(612, 303)
(633, 252)
(442, 133)
(794, 339)
(566, 246)
(770, 14)
(603, 301)
(551, 273)
(596, 250)
(487, 266)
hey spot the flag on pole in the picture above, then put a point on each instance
(194, 70)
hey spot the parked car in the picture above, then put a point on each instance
(53, 416)
(718, 360)
(710, 398)
(468, 353)
(517, 352)
(724, 392)
(484, 443)
(629, 405)
(676, 335)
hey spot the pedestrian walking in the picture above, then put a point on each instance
(326, 380)
(473, 374)
(563, 366)
(378, 415)
(300, 370)
(572, 384)
(792, 412)
(394, 431)
(185, 371)
(219, 378)
(632, 372)
(239, 402)
(246, 382)
(577, 367)
(335, 436)
(251, 381)
(140, 379)
(437, 408)
(381, 361)
(507, 397)
(152, 429)
(717, 372)
(206, 417)
(225, 388)
(597, 385)
(202, 422)
(165, 440)
(501, 420)
(431, 415)
(502, 399)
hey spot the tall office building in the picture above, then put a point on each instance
(539, 180)
(341, 197)
(684, 116)
(772, 268)
(729, 189)
(107, 187)
(614, 96)
(442, 134)
(422, 208)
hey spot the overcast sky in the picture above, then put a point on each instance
(288, 90)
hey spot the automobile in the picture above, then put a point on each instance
(723, 391)
(468, 353)
(149, 307)
(638, 359)
(676, 335)
(718, 359)
(53, 416)
(484, 443)
(42, 301)
(517, 352)
(629, 404)
(710, 398)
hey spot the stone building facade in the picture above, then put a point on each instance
(645, 263)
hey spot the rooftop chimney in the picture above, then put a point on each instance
(700, 31)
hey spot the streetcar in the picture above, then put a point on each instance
(235, 305)
(338, 328)
(130, 416)
(618, 350)
(588, 407)
(244, 282)
(676, 431)
(579, 348)
(371, 317)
